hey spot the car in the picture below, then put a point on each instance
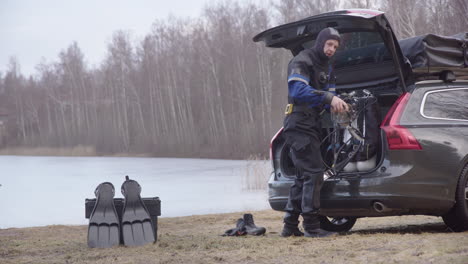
(417, 130)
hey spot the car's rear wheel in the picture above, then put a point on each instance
(337, 224)
(457, 218)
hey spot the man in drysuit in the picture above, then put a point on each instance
(311, 90)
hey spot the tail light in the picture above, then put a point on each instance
(271, 145)
(398, 137)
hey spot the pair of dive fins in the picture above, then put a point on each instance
(105, 228)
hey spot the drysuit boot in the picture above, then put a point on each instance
(250, 226)
(291, 231)
(311, 221)
(291, 221)
(239, 230)
(318, 232)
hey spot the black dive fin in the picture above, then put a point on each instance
(137, 227)
(103, 229)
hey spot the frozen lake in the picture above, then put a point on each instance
(38, 191)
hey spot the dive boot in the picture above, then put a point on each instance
(291, 231)
(239, 230)
(318, 232)
(250, 226)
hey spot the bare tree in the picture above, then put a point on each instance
(458, 22)
(191, 87)
(402, 16)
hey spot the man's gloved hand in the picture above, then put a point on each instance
(338, 105)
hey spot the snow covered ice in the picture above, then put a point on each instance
(38, 191)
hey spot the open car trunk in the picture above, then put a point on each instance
(372, 68)
(369, 59)
(369, 56)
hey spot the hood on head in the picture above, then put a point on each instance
(324, 35)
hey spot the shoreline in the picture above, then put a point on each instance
(90, 151)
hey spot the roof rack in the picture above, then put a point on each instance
(447, 76)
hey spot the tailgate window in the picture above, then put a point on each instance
(359, 48)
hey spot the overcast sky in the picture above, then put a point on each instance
(34, 29)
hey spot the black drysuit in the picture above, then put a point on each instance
(311, 85)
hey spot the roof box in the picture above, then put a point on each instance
(430, 55)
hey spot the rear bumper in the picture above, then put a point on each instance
(363, 206)
(356, 197)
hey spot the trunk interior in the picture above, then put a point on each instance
(361, 165)
(367, 120)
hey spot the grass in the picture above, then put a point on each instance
(196, 239)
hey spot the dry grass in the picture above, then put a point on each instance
(196, 239)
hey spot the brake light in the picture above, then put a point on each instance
(271, 142)
(398, 137)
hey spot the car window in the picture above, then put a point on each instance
(448, 104)
(358, 48)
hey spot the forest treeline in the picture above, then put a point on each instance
(190, 88)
